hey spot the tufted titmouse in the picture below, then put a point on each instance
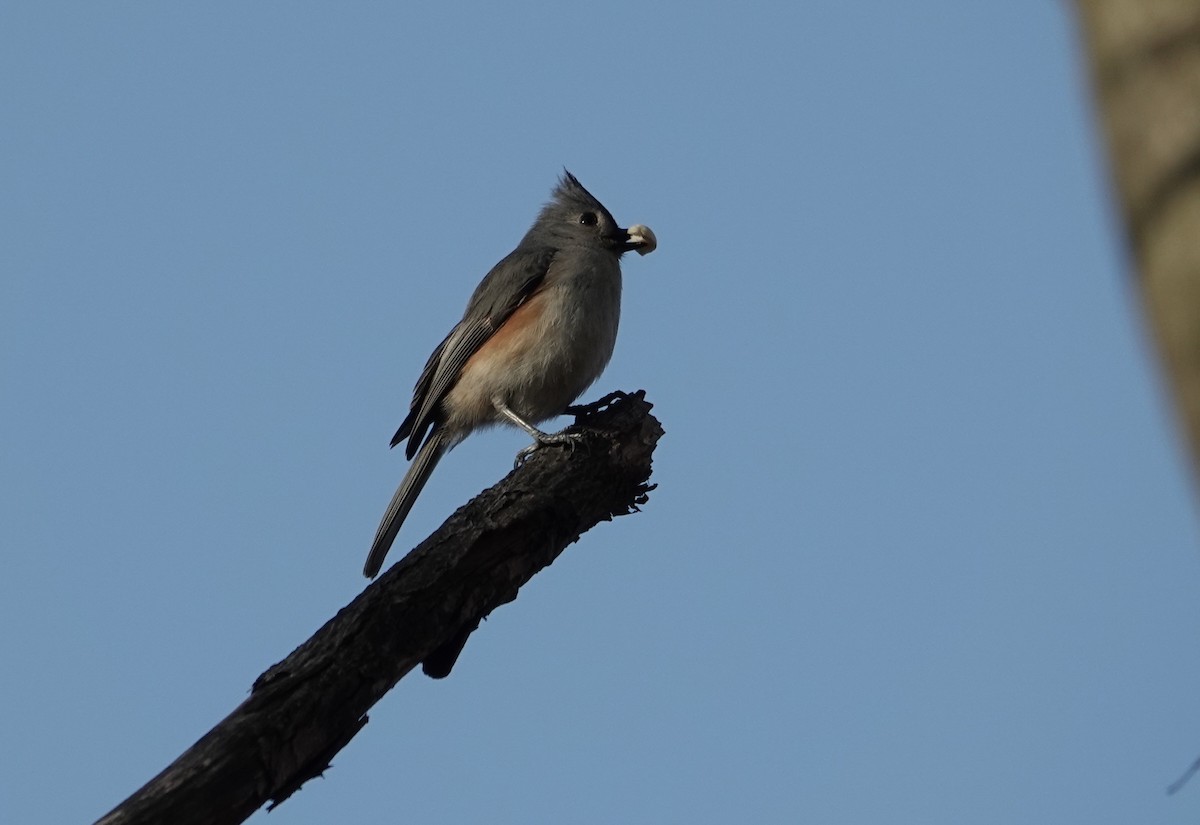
(537, 332)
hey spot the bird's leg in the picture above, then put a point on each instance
(540, 439)
(538, 435)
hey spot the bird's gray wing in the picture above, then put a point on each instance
(508, 285)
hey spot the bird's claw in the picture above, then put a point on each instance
(569, 440)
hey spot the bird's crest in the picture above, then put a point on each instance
(570, 194)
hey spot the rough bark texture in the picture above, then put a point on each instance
(1145, 66)
(306, 708)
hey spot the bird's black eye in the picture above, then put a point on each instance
(588, 219)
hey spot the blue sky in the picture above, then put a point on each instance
(923, 548)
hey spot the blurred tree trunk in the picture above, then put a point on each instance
(1144, 57)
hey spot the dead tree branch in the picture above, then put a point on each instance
(306, 708)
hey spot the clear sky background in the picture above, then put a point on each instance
(923, 548)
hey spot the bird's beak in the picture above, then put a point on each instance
(640, 239)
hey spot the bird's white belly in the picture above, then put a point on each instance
(541, 371)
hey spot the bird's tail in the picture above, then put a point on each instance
(414, 481)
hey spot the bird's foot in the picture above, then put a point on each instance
(570, 440)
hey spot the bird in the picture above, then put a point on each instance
(537, 331)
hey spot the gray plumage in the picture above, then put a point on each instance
(538, 330)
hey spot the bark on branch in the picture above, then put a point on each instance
(306, 708)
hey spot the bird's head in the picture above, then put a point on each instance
(574, 217)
